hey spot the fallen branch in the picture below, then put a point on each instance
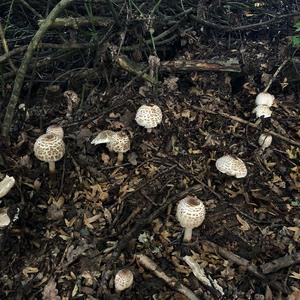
(280, 263)
(242, 121)
(149, 264)
(8, 118)
(75, 23)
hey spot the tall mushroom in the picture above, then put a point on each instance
(123, 280)
(49, 148)
(190, 214)
(148, 116)
(115, 141)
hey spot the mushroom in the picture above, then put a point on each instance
(49, 148)
(6, 184)
(115, 141)
(265, 140)
(262, 111)
(56, 129)
(4, 218)
(231, 166)
(123, 280)
(148, 116)
(264, 99)
(190, 214)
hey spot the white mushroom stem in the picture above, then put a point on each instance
(187, 234)
(120, 158)
(149, 130)
(52, 167)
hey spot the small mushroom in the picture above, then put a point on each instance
(262, 111)
(56, 129)
(6, 184)
(190, 214)
(264, 99)
(148, 116)
(123, 280)
(4, 218)
(49, 148)
(265, 141)
(115, 141)
(231, 166)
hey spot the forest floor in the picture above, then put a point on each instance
(69, 238)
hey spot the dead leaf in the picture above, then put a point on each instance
(50, 291)
(269, 294)
(30, 270)
(245, 226)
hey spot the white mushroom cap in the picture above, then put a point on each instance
(4, 218)
(265, 140)
(119, 142)
(231, 166)
(123, 280)
(190, 212)
(264, 99)
(148, 116)
(103, 137)
(49, 147)
(56, 129)
(6, 184)
(262, 111)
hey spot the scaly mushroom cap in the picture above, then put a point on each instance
(190, 212)
(264, 99)
(103, 137)
(123, 280)
(262, 111)
(49, 147)
(231, 166)
(148, 116)
(4, 218)
(265, 140)
(56, 129)
(119, 142)
(6, 184)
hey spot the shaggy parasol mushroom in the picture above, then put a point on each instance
(265, 141)
(56, 129)
(123, 280)
(190, 214)
(115, 141)
(6, 184)
(231, 166)
(148, 116)
(49, 148)
(264, 99)
(262, 111)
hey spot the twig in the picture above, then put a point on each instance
(240, 120)
(113, 11)
(149, 264)
(276, 74)
(280, 263)
(31, 9)
(8, 118)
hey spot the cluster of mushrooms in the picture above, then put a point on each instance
(190, 213)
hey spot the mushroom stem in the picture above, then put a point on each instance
(51, 167)
(149, 130)
(120, 158)
(187, 234)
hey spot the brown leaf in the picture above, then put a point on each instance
(269, 295)
(50, 292)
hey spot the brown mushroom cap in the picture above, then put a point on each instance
(49, 147)
(56, 129)
(148, 116)
(190, 212)
(231, 166)
(123, 280)
(119, 142)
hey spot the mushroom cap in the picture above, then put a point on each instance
(262, 111)
(4, 218)
(231, 166)
(265, 140)
(148, 116)
(190, 212)
(56, 129)
(103, 137)
(49, 147)
(123, 280)
(119, 142)
(264, 99)
(6, 184)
